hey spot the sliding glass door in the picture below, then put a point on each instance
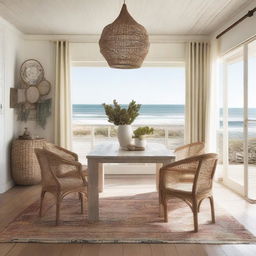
(239, 120)
(251, 121)
(233, 120)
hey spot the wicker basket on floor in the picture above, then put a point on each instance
(25, 167)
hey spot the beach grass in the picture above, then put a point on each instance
(236, 150)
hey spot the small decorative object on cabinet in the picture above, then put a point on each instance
(25, 167)
(26, 135)
(123, 118)
(139, 136)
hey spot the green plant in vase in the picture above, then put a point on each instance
(123, 118)
(140, 133)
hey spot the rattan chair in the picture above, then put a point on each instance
(60, 177)
(69, 155)
(189, 150)
(193, 193)
(183, 152)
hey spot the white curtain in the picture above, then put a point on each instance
(197, 91)
(62, 112)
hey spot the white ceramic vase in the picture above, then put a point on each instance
(140, 142)
(124, 135)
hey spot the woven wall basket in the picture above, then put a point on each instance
(124, 43)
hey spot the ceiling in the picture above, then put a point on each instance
(90, 16)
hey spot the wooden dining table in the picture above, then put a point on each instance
(110, 152)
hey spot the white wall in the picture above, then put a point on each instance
(44, 52)
(14, 50)
(10, 47)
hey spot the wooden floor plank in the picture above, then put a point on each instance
(170, 249)
(17, 199)
(71, 249)
(214, 250)
(198, 250)
(163, 250)
(32, 249)
(5, 248)
(145, 250)
(190, 250)
(90, 250)
(111, 250)
(16, 249)
(137, 250)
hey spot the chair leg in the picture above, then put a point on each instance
(195, 215)
(199, 205)
(161, 210)
(161, 206)
(41, 203)
(58, 202)
(81, 196)
(212, 209)
(165, 210)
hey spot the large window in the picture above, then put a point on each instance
(160, 90)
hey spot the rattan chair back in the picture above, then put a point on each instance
(189, 150)
(204, 175)
(48, 177)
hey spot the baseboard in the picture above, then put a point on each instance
(6, 186)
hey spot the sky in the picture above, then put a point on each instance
(146, 85)
(151, 85)
(235, 84)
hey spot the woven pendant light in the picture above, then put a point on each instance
(124, 43)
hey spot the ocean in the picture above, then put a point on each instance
(152, 114)
(149, 114)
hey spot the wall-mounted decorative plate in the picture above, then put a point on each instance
(32, 94)
(44, 87)
(31, 72)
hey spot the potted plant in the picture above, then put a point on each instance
(140, 134)
(123, 118)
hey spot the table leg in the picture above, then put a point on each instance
(101, 177)
(158, 167)
(93, 194)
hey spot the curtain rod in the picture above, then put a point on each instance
(248, 14)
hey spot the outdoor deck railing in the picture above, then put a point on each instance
(93, 128)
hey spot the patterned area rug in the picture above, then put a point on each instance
(127, 219)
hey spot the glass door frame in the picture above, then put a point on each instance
(229, 182)
(240, 189)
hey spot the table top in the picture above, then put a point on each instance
(113, 150)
